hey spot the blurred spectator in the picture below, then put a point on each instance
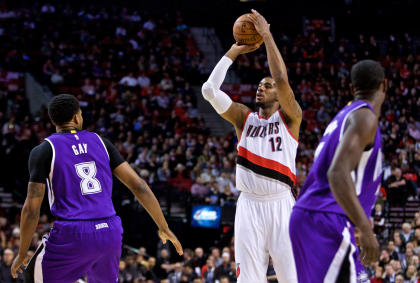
(224, 268)
(392, 250)
(407, 233)
(389, 274)
(176, 274)
(218, 260)
(164, 265)
(397, 187)
(384, 258)
(378, 219)
(208, 272)
(5, 263)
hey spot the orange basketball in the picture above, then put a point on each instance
(244, 31)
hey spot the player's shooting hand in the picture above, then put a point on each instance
(16, 266)
(260, 23)
(243, 49)
(369, 247)
(169, 235)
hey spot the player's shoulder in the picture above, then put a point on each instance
(364, 116)
(102, 138)
(42, 147)
(92, 135)
(364, 121)
(41, 150)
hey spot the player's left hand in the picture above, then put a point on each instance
(260, 23)
(243, 49)
(16, 266)
(169, 235)
(369, 247)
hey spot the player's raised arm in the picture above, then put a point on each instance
(278, 72)
(146, 197)
(360, 133)
(231, 111)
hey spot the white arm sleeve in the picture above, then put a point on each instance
(211, 88)
(219, 72)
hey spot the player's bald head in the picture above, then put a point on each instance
(367, 76)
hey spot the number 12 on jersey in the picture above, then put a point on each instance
(87, 172)
(275, 145)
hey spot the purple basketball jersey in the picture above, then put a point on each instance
(80, 181)
(316, 193)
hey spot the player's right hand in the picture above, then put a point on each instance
(243, 49)
(169, 235)
(17, 263)
(369, 247)
(260, 23)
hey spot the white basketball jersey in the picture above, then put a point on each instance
(266, 162)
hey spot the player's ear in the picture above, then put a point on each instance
(385, 85)
(77, 118)
(351, 89)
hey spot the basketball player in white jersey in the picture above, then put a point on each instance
(266, 169)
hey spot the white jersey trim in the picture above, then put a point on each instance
(38, 274)
(49, 180)
(361, 166)
(287, 127)
(343, 125)
(243, 128)
(106, 150)
(338, 259)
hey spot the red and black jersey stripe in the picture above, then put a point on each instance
(266, 167)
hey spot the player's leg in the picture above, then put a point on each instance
(251, 254)
(72, 249)
(35, 272)
(54, 263)
(322, 247)
(280, 246)
(104, 268)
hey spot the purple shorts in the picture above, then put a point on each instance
(324, 247)
(74, 249)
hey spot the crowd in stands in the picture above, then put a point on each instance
(133, 73)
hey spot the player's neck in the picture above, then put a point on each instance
(376, 105)
(66, 128)
(267, 112)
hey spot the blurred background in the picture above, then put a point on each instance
(137, 69)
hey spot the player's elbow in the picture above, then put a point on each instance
(30, 211)
(334, 174)
(208, 90)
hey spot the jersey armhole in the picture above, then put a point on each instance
(106, 150)
(52, 159)
(287, 127)
(243, 126)
(343, 124)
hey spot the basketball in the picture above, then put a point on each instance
(244, 31)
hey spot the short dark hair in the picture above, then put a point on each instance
(367, 76)
(62, 108)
